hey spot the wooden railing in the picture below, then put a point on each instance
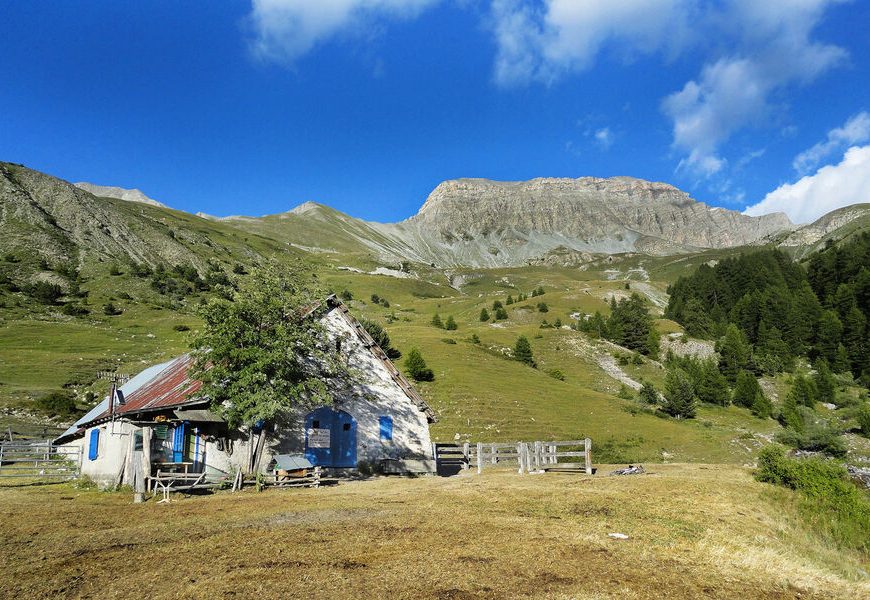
(528, 456)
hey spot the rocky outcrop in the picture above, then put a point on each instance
(479, 222)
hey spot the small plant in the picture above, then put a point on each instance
(448, 340)
(115, 270)
(625, 392)
(556, 374)
(376, 299)
(239, 269)
(557, 324)
(111, 310)
(180, 328)
(542, 307)
(484, 315)
(346, 295)
(74, 310)
(474, 339)
(436, 321)
(510, 300)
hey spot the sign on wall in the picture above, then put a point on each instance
(318, 438)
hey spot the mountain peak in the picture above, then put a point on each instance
(109, 191)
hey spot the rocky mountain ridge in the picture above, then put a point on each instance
(110, 191)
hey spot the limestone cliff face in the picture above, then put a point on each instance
(485, 222)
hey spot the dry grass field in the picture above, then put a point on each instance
(694, 531)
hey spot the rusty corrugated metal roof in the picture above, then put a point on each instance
(169, 388)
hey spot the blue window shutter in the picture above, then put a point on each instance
(94, 446)
(178, 443)
(386, 424)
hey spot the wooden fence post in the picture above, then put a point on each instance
(466, 452)
(494, 455)
(588, 447)
(479, 458)
(520, 457)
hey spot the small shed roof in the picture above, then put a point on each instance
(292, 462)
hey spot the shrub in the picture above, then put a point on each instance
(542, 307)
(45, 292)
(436, 321)
(450, 341)
(115, 270)
(451, 325)
(474, 339)
(346, 295)
(74, 310)
(813, 435)
(239, 269)
(510, 300)
(180, 328)
(500, 314)
(556, 374)
(111, 310)
(830, 501)
(381, 338)
(484, 315)
(376, 299)
(496, 305)
(60, 403)
(625, 392)
(863, 416)
(417, 368)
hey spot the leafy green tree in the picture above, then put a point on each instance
(260, 352)
(416, 367)
(679, 395)
(450, 325)
(436, 321)
(523, 351)
(648, 393)
(484, 315)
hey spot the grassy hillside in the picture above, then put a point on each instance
(693, 531)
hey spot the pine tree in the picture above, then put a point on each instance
(501, 314)
(450, 325)
(828, 336)
(557, 323)
(804, 391)
(436, 321)
(748, 393)
(712, 387)
(734, 352)
(416, 367)
(523, 351)
(496, 305)
(509, 300)
(484, 315)
(648, 393)
(679, 395)
(824, 381)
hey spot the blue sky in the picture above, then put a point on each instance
(366, 105)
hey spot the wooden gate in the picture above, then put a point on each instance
(38, 460)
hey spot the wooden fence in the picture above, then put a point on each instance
(528, 456)
(39, 460)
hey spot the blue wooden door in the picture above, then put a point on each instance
(330, 438)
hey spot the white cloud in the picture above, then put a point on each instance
(285, 30)
(769, 48)
(855, 131)
(604, 137)
(831, 187)
(543, 41)
(733, 92)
